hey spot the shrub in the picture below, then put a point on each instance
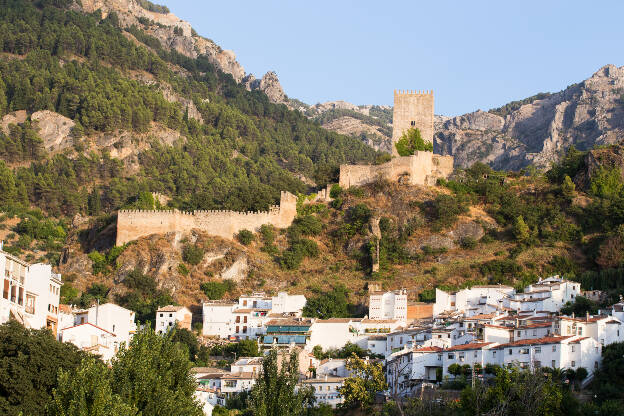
(305, 225)
(216, 290)
(468, 243)
(267, 233)
(446, 209)
(245, 237)
(192, 254)
(183, 270)
(410, 142)
(99, 262)
(335, 191)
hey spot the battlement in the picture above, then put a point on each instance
(413, 92)
(132, 224)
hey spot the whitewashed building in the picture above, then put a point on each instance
(169, 316)
(602, 328)
(326, 389)
(30, 293)
(93, 339)
(110, 317)
(549, 294)
(388, 305)
(472, 301)
(218, 318)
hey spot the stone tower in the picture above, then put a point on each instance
(412, 109)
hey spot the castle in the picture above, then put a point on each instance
(412, 109)
(132, 224)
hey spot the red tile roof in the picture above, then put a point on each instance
(428, 349)
(536, 341)
(472, 346)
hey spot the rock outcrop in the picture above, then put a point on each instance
(268, 84)
(54, 129)
(539, 132)
(170, 30)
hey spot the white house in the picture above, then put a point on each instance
(335, 333)
(388, 305)
(110, 317)
(510, 333)
(471, 354)
(247, 318)
(546, 295)
(556, 352)
(285, 303)
(30, 293)
(326, 389)
(218, 318)
(602, 328)
(92, 338)
(168, 316)
(472, 301)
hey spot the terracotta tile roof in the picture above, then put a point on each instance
(536, 341)
(481, 316)
(379, 321)
(243, 375)
(613, 322)
(206, 370)
(249, 310)
(591, 318)
(377, 337)
(324, 380)
(491, 287)
(428, 349)
(578, 341)
(211, 376)
(89, 323)
(472, 346)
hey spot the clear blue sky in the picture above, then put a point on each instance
(473, 54)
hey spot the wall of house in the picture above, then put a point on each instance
(132, 224)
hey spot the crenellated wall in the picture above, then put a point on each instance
(422, 168)
(132, 224)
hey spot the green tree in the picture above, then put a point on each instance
(275, 392)
(216, 290)
(366, 380)
(87, 392)
(410, 142)
(192, 254)
(153, 375)
(331, 304)
(29, 363)
(567, 187)
(521, 231)
(580, 307)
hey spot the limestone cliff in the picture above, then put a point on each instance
(586, 114)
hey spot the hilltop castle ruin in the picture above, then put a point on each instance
(412, 109)
(132, 224)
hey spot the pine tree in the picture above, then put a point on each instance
(567, 187)
(521, 231)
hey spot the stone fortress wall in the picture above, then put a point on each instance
(132, 224)
(412, 109)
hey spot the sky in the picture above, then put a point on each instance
(473, 54)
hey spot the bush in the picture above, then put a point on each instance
(267, 233)
(305, 225)
(446, 208)
(468, 243)
(410, 142)
(192, 254)
(99, 263)
(335, 191)
(245, 237)
(216, 290)
(182, 269)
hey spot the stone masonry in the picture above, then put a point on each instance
(412, 109)
(132, 224)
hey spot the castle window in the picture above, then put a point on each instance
(413, 123)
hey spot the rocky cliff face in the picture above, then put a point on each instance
(584, 115)
(268, 84)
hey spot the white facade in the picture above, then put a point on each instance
(388, 305)
(335, 333)
(472, 301)
(246, 318)
(168, 317)
(93, 339)
(604, 329)
(30, 293)
(326, 390)
(285, 303)
(113, 318)
(549, 294)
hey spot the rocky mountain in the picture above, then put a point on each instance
(538, 131)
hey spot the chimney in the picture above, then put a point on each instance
(572, 315)
(587, 316)
(325, 377)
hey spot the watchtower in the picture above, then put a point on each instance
(412, 109)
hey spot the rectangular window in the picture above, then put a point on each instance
(245, 319)
(572, 348)
(451, 356)
(538, 350)
(493, 353)
(554, 348)
(580, 330)
(535, 332)
(5, 290)
(524, 350)
(20, 297)
(573, 363)
(510, 351)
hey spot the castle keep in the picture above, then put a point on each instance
(412, 109)
(132, 224)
